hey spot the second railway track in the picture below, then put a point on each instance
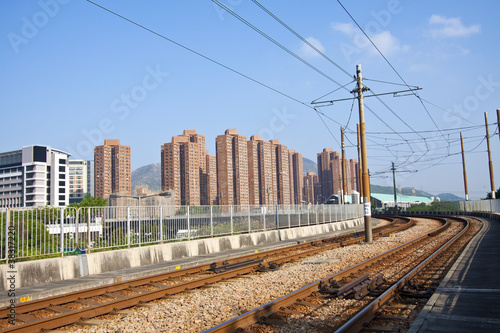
(57, 311)
(317, 307)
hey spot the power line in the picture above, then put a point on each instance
(301, 38)
(388, 62)
(281, 46)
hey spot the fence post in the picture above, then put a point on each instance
(264, 213)
(7, 226)
(128, 227)
(161, 225)
(231, 218)
(308, 213)
(188, 224)
(277, 218)
(289, 222)
(298, 212)
(88, 229)
(211, 221)
(62, 230)
(249, 227)
(77, 220)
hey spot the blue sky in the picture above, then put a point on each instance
(73, 74)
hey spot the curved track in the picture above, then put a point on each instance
(362, 281)
(70, 308)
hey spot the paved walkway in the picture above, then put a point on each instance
(468, 299)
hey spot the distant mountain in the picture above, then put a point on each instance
(449, 197)
(309, 166)
(148, 175)
(408, 191)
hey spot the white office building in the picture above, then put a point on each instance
(34, 176)
(81, 179)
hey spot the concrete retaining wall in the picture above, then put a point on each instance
(32, 273)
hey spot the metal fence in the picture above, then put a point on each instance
(491, 206)
(48, 232)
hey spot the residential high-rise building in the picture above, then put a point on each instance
(34, 176)
(329, 173)
(253, 171)
(282, 184)
(211, 179)
(81, 180)
(112, 169)
(296, 177)
(352, 177)
(311, 183)
(184, 169)
(261, 171)
(232, 168)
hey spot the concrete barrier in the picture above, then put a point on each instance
(36, 272)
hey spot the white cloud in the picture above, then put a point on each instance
(309, 51)
(384, 40)
(387, 43)
(346, 28)
(451, 27)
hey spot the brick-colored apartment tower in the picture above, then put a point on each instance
(282, 184)
(184, 168)
(311, 183)
(261, 171)
(232, 168)
(329, 173)
(211, 179)
(296, 177)
(112, 169)
(352, 175)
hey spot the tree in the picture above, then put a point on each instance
(497, 194)
(89, 201)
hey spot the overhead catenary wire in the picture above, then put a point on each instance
(219, 64)
(417, 154)
(300, 37)
(390, 65)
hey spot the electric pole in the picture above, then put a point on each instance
(498, 121)
(490, 162)
(395, 193)
(366, 180)
(365, 177)
(360, 168)
(344, 182)
(463, 164)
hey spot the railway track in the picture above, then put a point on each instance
(320, 306)
(62, 310)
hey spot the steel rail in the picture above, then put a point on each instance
(265, 310)
(63, 319)
(355, 324)
(67, 318)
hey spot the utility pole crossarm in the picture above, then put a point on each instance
(394, 93)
